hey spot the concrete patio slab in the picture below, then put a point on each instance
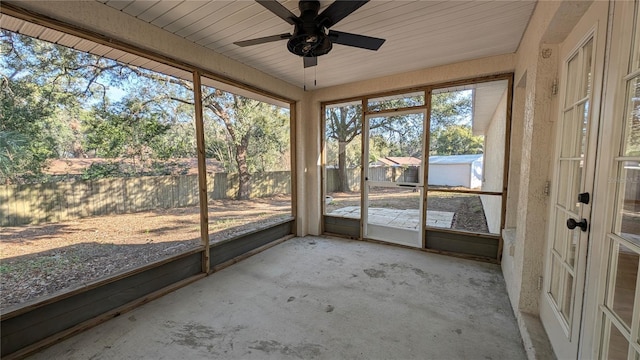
(408, 218)
(319, 298)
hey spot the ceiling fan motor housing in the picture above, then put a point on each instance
(309, 37)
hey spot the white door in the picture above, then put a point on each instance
(616, 334)
(393, 186)
(581, 55)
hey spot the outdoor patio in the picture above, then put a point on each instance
(405, 219)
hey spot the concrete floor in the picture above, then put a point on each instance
(319, 298)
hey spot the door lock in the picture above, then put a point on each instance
(572, 224)
(583, 197)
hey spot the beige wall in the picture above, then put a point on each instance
(534, 105)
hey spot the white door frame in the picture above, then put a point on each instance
(614, 104)
(565, 337)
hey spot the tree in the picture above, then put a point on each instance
(456, 140)
(269, 148)
(343, 125)
(239, 115)
(126, 129)
(451, 108)
(12, 151)
(43, 88)
(242, 118)
(26, 140)
(154, 115)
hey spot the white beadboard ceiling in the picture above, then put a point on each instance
(419, 34)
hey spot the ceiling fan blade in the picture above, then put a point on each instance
(263, 40)
(355, 40)
(310, 61)
(338, 11)
(277, 8)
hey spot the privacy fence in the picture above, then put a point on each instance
(61, 201)
(382, 173)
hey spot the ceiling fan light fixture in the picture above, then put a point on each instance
(303, 44)
(311, 36)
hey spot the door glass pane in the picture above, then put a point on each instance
(624, 284)
(582, 113)
(586, 68)
(618, 345)
(568, 134)
(635, 52)
(563, 183)
(343, 150)
(573, 246)
(556, 275)
(577, 166)
(628, 223)
(631, 142)
(561, 235)
(567, 297)
(572, 81)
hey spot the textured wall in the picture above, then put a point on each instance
(536, 70)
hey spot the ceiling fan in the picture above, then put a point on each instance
(311, 37)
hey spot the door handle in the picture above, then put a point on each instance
(583, 197)
(572, 224)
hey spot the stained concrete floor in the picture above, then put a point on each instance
(319, 298)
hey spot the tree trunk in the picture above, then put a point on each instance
(244, 179)
(343, 180)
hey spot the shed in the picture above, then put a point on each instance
(456, 170)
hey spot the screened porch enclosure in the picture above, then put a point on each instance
(434, 171)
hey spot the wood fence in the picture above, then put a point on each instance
(61, 201)
(382, 173)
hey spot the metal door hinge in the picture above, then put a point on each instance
(540, 282)
(547, 188)
(554, 87)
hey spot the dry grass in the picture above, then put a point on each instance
(41, 260)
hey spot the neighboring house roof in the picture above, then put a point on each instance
(404, 161)
(75, 166)
(385, 161)
(397, 161)
(454, 159)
